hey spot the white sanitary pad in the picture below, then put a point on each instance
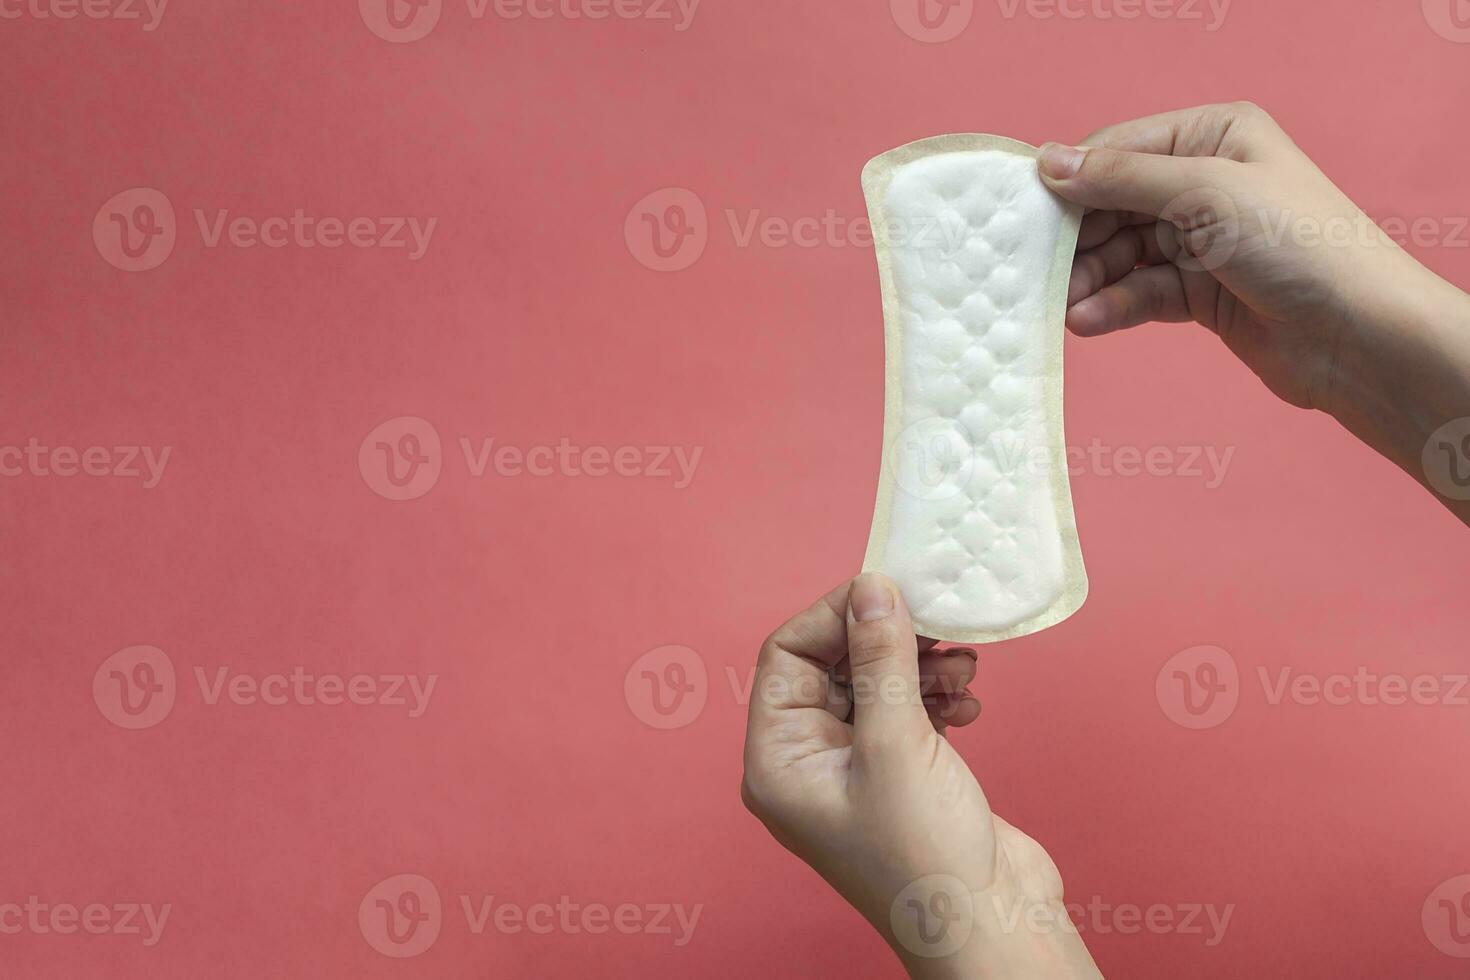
(974, 515)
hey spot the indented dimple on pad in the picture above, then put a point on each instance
(974, 517)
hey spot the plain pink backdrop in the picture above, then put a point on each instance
(533, 774)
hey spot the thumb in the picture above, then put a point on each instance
(1117, 180)
(884, 658)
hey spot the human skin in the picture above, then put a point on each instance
(857, 779)
(1210, 215)
(1214, 215)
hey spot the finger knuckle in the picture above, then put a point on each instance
(1094, 269)
(1103, 166)
(1250, 111)
(866, 647)
(770, 646)
(1135, 246)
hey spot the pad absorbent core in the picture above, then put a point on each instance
(974, 516)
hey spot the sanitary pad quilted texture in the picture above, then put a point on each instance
(974, 516)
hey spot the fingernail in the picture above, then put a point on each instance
(869, 598)
(1059, 161)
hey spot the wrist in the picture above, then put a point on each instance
(1400, 366)
(1013, 936)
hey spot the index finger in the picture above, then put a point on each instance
(1238, 131)
(1148, 134)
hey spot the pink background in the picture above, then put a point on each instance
(533, 774)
